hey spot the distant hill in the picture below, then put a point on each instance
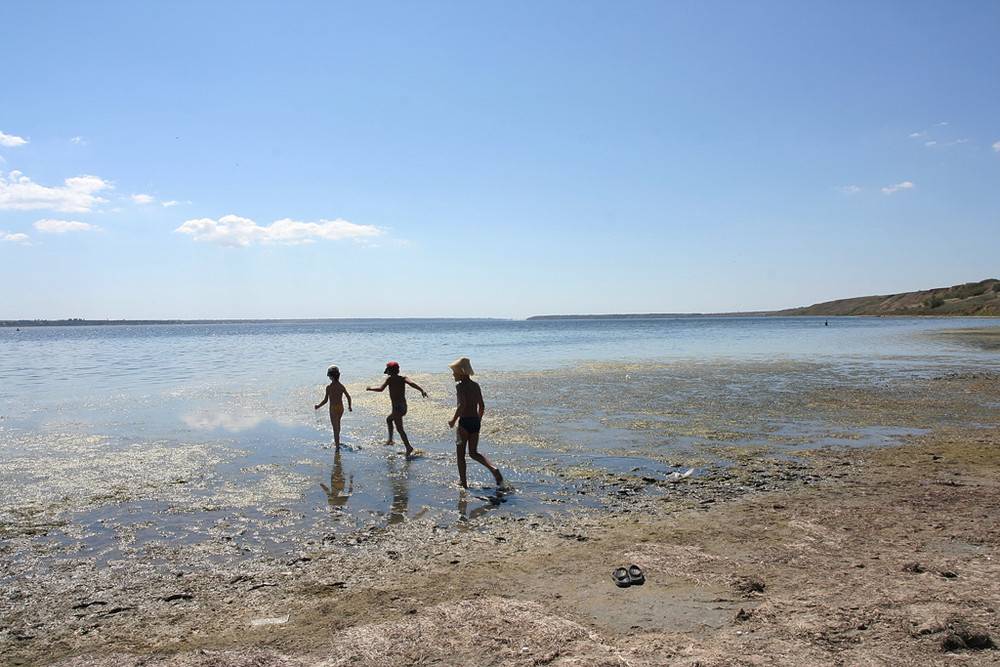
(978, 299)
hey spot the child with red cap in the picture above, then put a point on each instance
(397, 397)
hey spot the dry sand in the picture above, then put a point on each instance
(883, 556)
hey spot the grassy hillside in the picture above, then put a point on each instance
(982, 299)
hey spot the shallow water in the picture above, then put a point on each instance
(123, 440)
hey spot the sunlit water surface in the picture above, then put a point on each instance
(123, 438)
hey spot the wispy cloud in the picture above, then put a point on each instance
(934, 137)
(63, 226)
(14, 238)
(235, 232)
(11, 141)
(893, 189)
(848, 189)
(924, 133)
(996, 146)
(142, 199)
(945, 144)
(79, 194)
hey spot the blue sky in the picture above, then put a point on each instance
(503, 159)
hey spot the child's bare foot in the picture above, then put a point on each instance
(409, 451)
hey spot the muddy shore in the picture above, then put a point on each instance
(858, 556)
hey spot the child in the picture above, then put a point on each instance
(335, 393)
(397, 397)
(469, 415)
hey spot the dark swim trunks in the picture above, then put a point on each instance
(399, 408)
(470, 424)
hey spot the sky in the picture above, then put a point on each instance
(327, 159)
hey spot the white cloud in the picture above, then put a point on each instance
(62, 226)
(79, 141)
(142, 199)
(893, 189)
(79, 194)
(172, 202)
(937, 142)
(236, 232)
(11, 141)
(849, 189)
(14, 237)
(996, 146)
(946, 144)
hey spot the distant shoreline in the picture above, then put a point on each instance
(12, 324)
(653, 316)
(77, 322)
(981, 299)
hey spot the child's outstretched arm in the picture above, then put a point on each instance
(415, 386)
(384, 385)
(348, 395)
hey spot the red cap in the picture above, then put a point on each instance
(391, 364)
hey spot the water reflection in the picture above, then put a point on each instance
(335, 493)
(399, 478)
(233, 423)
(467, 516)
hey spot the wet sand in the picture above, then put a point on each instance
(876, 556)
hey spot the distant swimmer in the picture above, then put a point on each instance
(397, 397)
(335, 393)
(469, 415)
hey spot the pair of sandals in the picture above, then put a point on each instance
(628, 576)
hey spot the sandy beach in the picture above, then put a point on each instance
(850, 556)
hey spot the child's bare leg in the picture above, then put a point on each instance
(336, 429)
(476, 456)
(402, 434)
(460, 458)
(388, 422)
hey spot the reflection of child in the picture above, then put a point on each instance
(397, 396)
(335, 393)
(335, 492)
(469, 415)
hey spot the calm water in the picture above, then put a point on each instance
(131, 437)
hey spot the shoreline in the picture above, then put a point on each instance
(770, 314)
(816, 571)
